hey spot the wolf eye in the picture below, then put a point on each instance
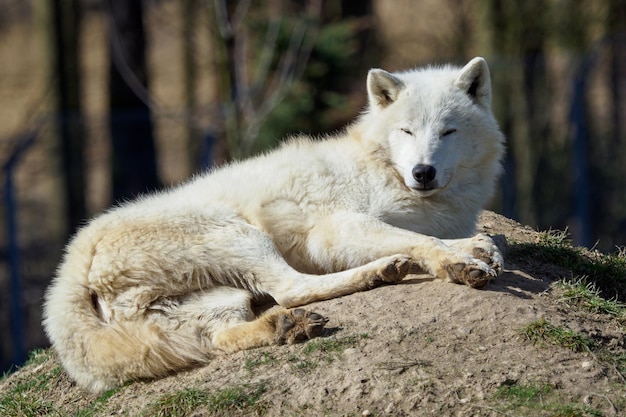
(448, 132)
(407, 131)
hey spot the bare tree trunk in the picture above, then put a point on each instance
(66, 28)
(516, 33)
(617, 201)
(496, 19)
(189, 13)
(224, 43)
(134, 155)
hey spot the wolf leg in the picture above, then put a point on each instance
(222, 318)
(298, 289)
(231, 254)
(277, 326)
(240, 255)
(343, 240)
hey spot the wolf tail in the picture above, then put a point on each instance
(100, 354)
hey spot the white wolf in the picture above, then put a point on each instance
(156, 285)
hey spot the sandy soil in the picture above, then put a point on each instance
(419, 348)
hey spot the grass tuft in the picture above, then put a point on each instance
(25, 396)
(333, 345)
(265, 358)
(586, 295)
(327, 350)
(606, 271)
(534, 399)
(237, 398)
(543, 331)
(522, 394)
(97, 405)
(178, 404)
(186, 402)
(38, 356)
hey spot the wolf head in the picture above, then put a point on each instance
(437, 126)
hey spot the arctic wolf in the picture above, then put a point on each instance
(159, 284)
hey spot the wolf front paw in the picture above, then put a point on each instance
(484, 263)
(492, 258)
(486, 250)
(475, 274)
(297, 325)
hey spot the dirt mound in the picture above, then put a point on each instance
(423, 347)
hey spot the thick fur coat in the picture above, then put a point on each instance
(162, 283)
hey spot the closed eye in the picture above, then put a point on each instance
(407, 131)
(448, 132)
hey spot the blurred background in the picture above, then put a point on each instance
(102, 100)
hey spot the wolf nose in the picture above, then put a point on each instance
(424, 174)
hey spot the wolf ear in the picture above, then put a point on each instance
(475, 80)
(382, 88)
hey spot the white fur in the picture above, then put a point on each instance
(152, 286)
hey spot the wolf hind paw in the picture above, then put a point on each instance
(298, 325)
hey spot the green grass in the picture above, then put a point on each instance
(35, 357)
(28, 406)
(333, 345)
(97, 405)
(575, 410)
(265, 358)
(541, 331)
(238, 398)
(606, 271)
(302, 365)
(538, 399)
(186, 402)
(586, 295)
(38, 356)
(178, 404)
(323, 350)
(519, 395)
(26, 396)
